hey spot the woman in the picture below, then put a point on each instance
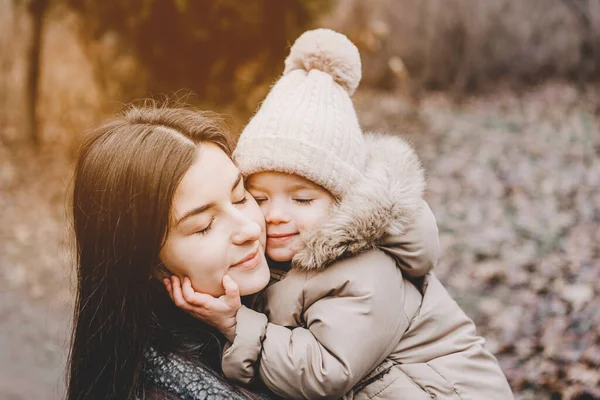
(155, 194)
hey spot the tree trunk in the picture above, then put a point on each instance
(36, 9)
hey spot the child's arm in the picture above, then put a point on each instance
(355, 312)
(417, 252)
(418, 249)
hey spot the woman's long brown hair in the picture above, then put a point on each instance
(125, 179)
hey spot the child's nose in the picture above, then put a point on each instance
(276, 215)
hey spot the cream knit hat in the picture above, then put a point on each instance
(307, 124)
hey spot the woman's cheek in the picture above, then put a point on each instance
(208, 267)
(209, 283)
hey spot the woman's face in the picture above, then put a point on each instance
(216, 228)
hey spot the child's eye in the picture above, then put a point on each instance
(242, 201)
(259, 200)
(304, 201)
(207, 229)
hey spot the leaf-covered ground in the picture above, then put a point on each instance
(514, 181)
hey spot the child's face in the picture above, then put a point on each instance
(291, 205)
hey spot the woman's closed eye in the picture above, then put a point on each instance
(207, 229)
(243, 200)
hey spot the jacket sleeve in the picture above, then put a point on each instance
(240, 357)
(354, 318)
(418, 249)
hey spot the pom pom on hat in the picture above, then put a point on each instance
(327, 51)
(307, 125)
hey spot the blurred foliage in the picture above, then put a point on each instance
(463, 46)
(219, 49)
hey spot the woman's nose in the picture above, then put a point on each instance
(246, 230)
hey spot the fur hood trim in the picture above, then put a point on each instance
(382, 203)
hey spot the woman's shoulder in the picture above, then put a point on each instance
(185, 379)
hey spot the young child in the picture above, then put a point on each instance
(354, 311)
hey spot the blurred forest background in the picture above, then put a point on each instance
(501, 98)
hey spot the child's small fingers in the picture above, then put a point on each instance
(191, 296)
(229, 284)
(168, 287)
(188, 290)
(177, 293)
(203, 300)
(232, 291)
(196, 298)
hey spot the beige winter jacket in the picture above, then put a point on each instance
(360, 315)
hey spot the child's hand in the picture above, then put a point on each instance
(218, 312)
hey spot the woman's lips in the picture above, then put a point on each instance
(279, 238)
(249, 262)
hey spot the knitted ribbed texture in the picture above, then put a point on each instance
(307, 124)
